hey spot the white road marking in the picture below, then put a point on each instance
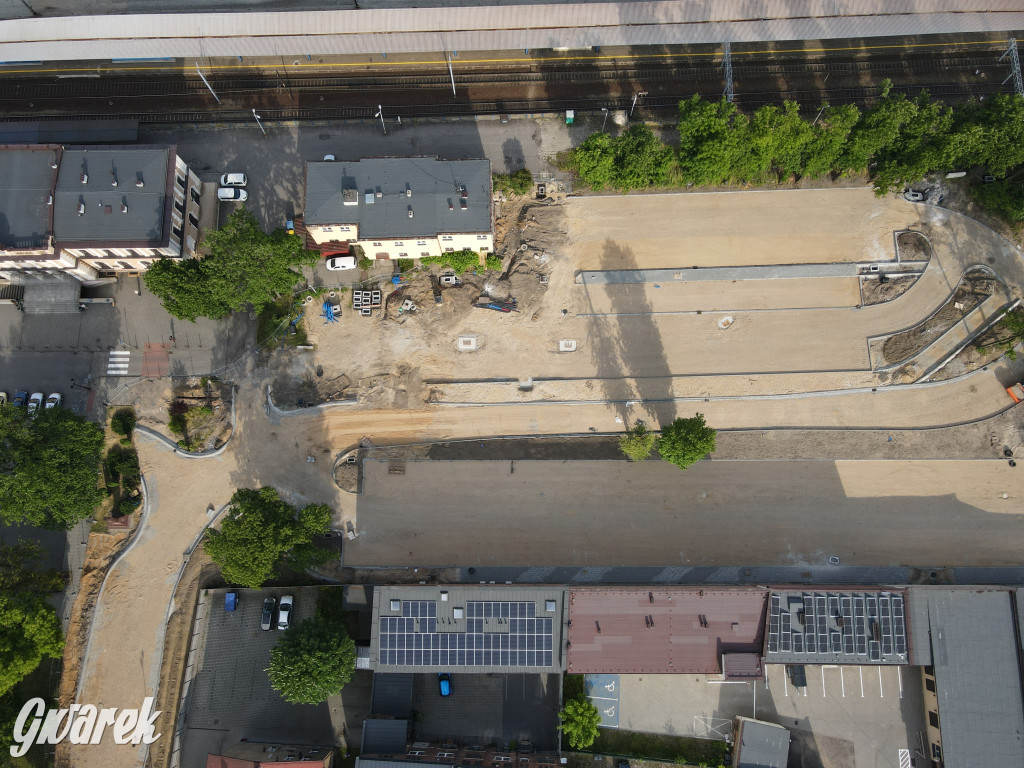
(823, 682)
(899, 679)
(842, 680)
(881, 691)
(861, 670)
(785, 682)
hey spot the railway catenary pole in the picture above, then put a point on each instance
(450, 72)
(207, 83)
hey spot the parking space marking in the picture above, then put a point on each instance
(881, 690)
(823, 682)
(899, 679)
(603, 691)
(842, 681)
(861, 671)
(785, 682)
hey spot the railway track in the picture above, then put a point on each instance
(660, 106)
(190, 84)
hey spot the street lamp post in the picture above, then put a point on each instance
(258, 121)
(637, 96)
(605, 110)
(80, 386)
(380, 114)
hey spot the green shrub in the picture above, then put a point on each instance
(178, 408)
(123, 463)
(126, 507)
(123, 422)
(493, 262)
(205, 410)
(365, 263)
(404, 265)
(638, 443)
(518, 183)
(177, 424)
(126, 442)
(458, 261)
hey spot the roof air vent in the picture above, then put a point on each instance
(379, 193)
(140, 184)
(124, 207)
(81, 209)
(54, 165)
(408, 191)
(49, 200)
(410, 211)
(85, 178)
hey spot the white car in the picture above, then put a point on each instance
(341, 262)
(34, 402)
(53, 401)
(284, 612)
(232, 194)
(233, 180)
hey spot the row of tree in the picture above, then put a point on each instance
(899, 139)
(683, 442)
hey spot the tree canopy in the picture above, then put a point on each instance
(686, 441)
(634, 160)
(314, 660)
(244, 267)
(49, 467)
(29, 627)
(638, 443)
(260, 530)
(580, 719)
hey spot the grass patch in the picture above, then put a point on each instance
(681, 750)
(457, 261)
(518, 183)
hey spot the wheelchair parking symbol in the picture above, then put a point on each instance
(603, 691)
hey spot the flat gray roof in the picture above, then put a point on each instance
(862, 627)
(103, 221)
(382, 188)
(384, 737)
(974, 653)
(26, 179)
(392, 695)
(369, 31)
(761, 745)
(511, 629)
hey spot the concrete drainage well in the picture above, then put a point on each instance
(467, 344)
(725, 322)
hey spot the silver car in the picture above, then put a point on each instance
(233, 180)
(231, 194)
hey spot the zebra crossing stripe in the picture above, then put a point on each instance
(117, 364)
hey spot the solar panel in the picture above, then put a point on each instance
(412, 639)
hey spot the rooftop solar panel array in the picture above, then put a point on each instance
(837, 627)
(496, 634)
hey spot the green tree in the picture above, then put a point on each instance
(686, 441)
(29, 627)
(244, 268)
(260, 530)
(830, 133)
(713, 141)
(921, 144)
(779, 138)
(49, 467)
(124, 463)
(518, 183)
(878, 128)
(314, 660)
(594, 160)
(638, 443)
(123, 422)
(580, 719)
(640, 159)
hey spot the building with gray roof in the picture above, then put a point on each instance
(95, 211)
(401, 207)
(468, 628)
(861, 627)
(973, 688)
(760, 744)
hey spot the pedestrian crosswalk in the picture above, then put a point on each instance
(117, 364)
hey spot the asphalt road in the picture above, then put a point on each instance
(715, 513)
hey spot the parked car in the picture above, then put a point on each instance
(444, 682)
(267, 617)
(328, 158)
(53, 401)
(34, 402)
(19, 398)
(230, 601)
(341, 262)
(3, 398)
(233, 180)
(232, 193)
(284, 612)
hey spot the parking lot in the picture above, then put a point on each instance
(489, 709)
(846, 717)
(231, 698)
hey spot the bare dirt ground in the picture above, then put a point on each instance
(874, 291)
(151, 399)
(913, 246)
(974, 288)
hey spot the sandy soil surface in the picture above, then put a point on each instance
(774, 227)
(874, 291)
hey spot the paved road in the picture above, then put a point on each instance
(716, 513)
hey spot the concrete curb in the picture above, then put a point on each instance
(271, 408)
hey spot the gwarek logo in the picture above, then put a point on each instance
(82, 724)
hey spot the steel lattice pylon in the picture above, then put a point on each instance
(727, 63)
(1011, 51)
